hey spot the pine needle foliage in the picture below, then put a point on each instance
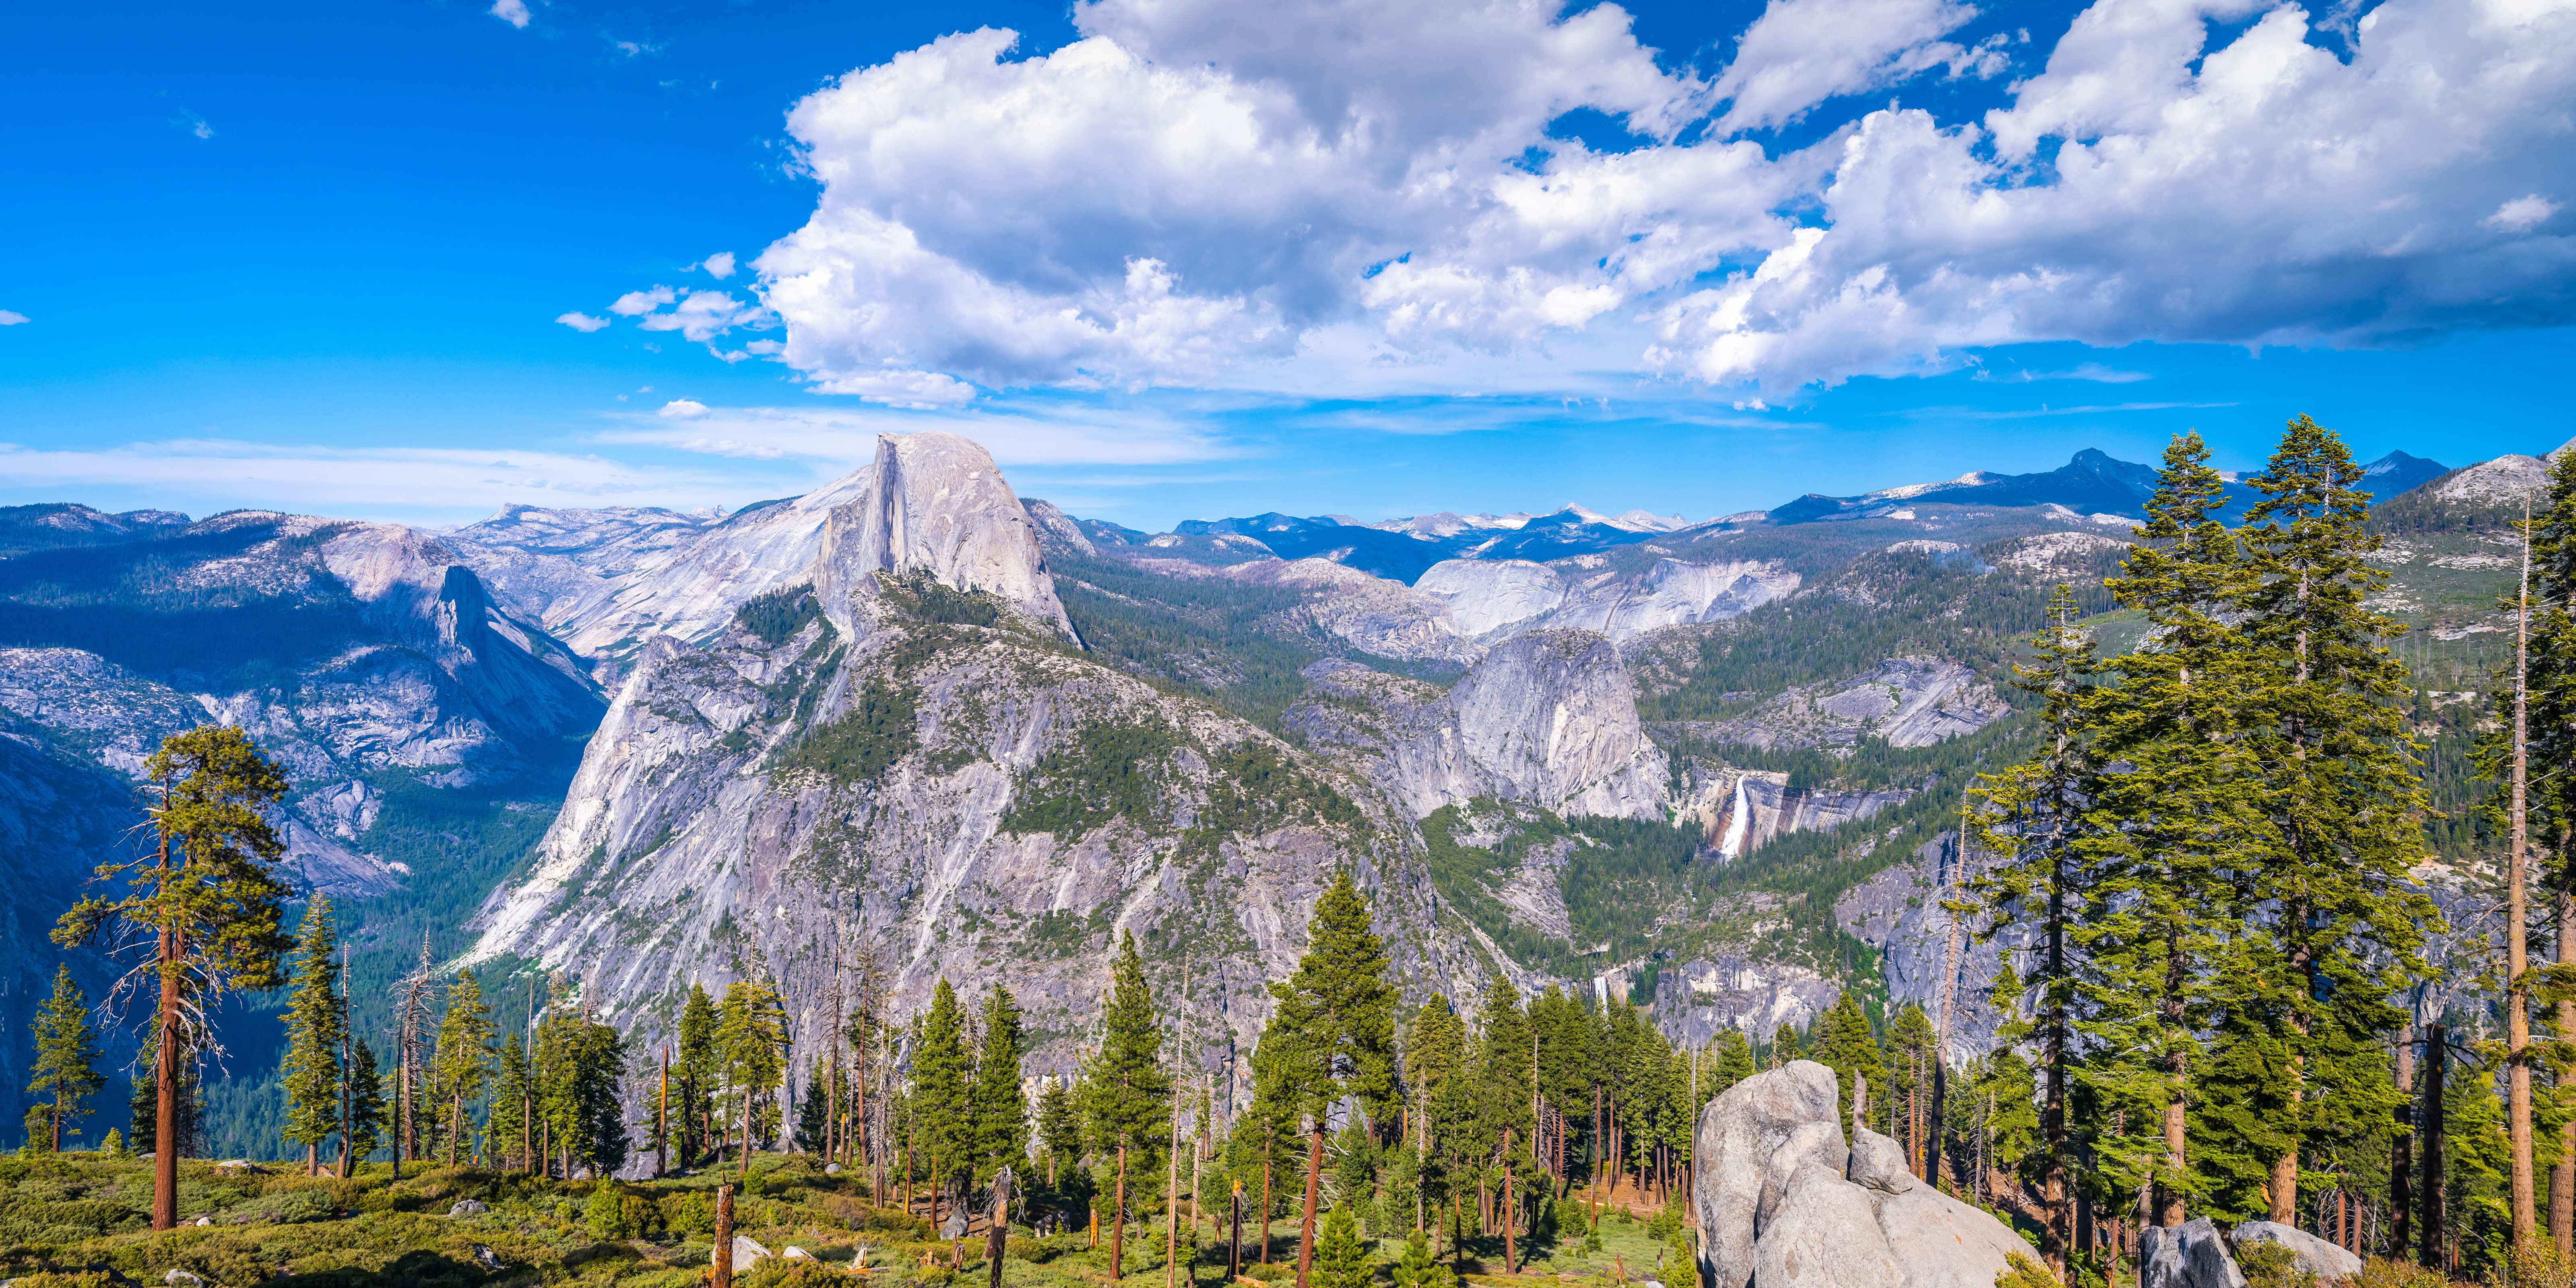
(315, 1032)
(66, 1066)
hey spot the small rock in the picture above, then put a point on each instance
(468, 1207)
(795, 1253)
(831, 1169)
(1878, 1163)
(954, 1227)
(745, 1252)
(2316, 1256)
(205, 1220)
(183, 1279)
(486, 1257)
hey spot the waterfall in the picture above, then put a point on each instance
(1739, 822)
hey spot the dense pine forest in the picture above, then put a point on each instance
(2288, 934)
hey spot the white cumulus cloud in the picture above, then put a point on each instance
(11, 317)
(582, 321)
(513, 12)
(1205, 194)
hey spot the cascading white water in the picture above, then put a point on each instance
(1739, 820)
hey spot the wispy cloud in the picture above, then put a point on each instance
(1041, 434)
(2092, 371)
(11, 317)
(339, 481)
(513, 12)
(2026, 413)
(582, 321)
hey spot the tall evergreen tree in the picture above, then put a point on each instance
(2338, 929)
(1001, 1108)
(2552, 803)
(1130, 1099)
(1337, 1015)
(751, 1040)
(366, 1092)
(1059, 1128)
(314, 1035)
(2037, 817)
(209, 894)
(699, 1071)
(1729, 1060)
(2171, 770)
(1844, 1044)
(462, 1071)
(943, 1091)
(512, 1127)
(1784, 1045)
(812, 1108)
(66, 1065)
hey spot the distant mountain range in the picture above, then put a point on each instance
(2092, 483)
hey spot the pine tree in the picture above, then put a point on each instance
(2339, 930)
(209, 894)
(1130, 1099)
(1845, 1045)
(66, 1065)
(366, 1103)
(2552, 803)
(751, 1042)
(512, 1128)
(943, 1091)
(314, 1035)
(1416, 1269)
(1059, 1127)
(1729, 1061)
(1913, 1050)
(813, 1109)
(463, 1068)
(699, 1070)
(2037, 817)
(1341, 1260)
(1784, 1045)
(1001, 1108)
(1337, 1016)
(2172, 769)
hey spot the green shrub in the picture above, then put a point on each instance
(2022, 1272)
(2271, 1265)
(607, 1216)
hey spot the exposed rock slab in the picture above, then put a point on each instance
(1547, 717)
(2316, 1256)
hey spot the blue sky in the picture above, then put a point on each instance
(1172, 262)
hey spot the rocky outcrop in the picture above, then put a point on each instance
(1899, 913)
(1736, 989)
(935, 503)
(1909, 701)
(2191, 1255)
(1741, 810)
(980, 803)
(1781, 1200)
(1549, 718)
(2315, 1256)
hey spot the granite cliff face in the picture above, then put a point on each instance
(935, 503)
(1549, 718)
(349, 651)
(917, 758)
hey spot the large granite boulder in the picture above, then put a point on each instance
(2190, 1255)
(1739, 1134)
(2316, 1256)
(1824, 1235)
(1783, 1202)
